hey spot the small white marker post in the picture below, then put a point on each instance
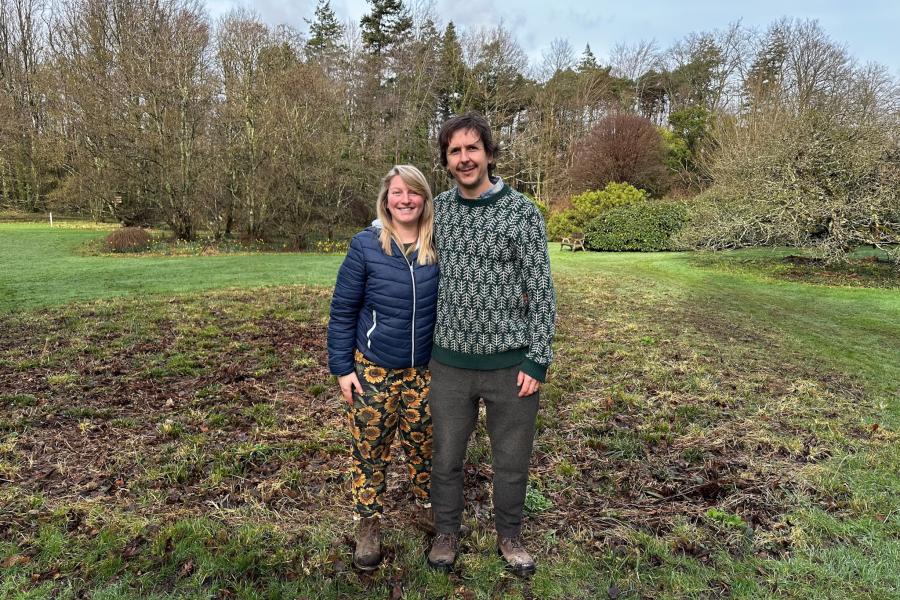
(51, 219)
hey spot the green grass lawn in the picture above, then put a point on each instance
(40, 266)
(851, 328)
(168, 430)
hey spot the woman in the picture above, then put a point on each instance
(379, 345)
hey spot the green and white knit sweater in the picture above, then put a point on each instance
(496, 303)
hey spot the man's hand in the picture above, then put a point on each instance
(527, 384)
(349, 382)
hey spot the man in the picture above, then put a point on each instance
(495, 323)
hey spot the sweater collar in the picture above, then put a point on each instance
(497, 191)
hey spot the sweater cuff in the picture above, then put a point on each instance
(536, 370)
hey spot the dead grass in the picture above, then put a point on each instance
(670, 442)
(672, 416)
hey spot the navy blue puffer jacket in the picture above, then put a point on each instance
(383, 305)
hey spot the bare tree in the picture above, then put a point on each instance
(630, 61)
(244, 125)
(634, 62)
(308, 174)
(497, 66)
(140, 86)
(27, 157)
(557, 58)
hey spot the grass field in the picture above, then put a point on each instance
(168, 430)
(40, 266)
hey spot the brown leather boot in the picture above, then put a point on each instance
(368, 544)
(443, 551)
(517, 558)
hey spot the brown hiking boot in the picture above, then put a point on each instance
(443, 551)
(368, 544)
(517, 558)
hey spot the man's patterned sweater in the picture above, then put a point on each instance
(496, 303)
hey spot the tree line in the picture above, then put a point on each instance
(146, 111)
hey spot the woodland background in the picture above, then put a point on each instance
(148, 113)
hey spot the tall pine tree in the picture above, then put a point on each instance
(325, 34)
(385, 25)
(588, 61)
(452, 75)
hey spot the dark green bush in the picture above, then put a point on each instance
(128, 239)
(639, 227)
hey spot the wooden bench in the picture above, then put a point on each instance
(574, 241)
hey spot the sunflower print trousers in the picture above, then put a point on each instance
(393, 400)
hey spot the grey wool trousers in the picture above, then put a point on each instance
(454, 397)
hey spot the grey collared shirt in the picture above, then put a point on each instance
(496, 186)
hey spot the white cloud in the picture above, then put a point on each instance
(868, 27)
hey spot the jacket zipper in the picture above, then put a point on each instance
(412, 276)
(371, 329)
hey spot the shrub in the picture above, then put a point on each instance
(563, 224)
(540, 204)
(717, 222)
(589, 205)
(639, 227)
(622, 147)
(128, 239)
(678, 153)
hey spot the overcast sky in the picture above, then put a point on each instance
(869, 28)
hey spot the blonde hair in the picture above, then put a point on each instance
(416, 182)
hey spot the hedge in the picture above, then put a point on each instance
(639, 227)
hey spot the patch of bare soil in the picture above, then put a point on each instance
(871, 271)
(174, 421)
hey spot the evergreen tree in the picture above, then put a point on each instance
(588, 61)
(692, 82)
(451, 89)
(385, 25)
(429, 37)
(764, 79)
(325, 33)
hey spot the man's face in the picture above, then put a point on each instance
(468, 162)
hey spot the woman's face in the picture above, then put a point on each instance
(404, 204)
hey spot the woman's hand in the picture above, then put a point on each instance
(348, 383)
